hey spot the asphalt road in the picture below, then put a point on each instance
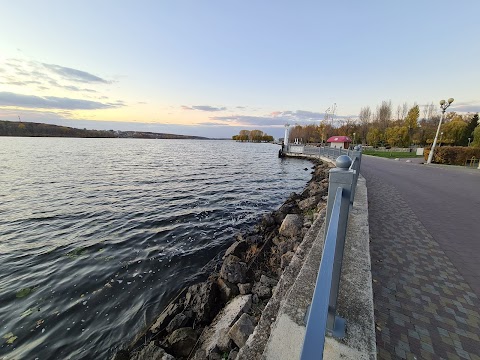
(446, 200)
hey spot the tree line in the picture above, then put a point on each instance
(30, 129)
(253, 136)
(407, 126)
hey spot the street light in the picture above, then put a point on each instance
(441, 136)
(354, 139)
(469, 139)
(443, 105)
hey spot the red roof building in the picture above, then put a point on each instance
(339, 142)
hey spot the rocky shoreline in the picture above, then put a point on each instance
(213, 319)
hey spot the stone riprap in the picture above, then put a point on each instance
(195, 325)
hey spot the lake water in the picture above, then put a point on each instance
(96, 235)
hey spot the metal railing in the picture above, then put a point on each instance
(322, 318)
(325, 151)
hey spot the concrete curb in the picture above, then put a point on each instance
(280, 334)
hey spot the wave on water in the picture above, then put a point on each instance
(96, 235)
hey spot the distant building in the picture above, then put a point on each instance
(342, 142)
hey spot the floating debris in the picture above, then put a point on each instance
(77, 252)
(25, 292)
(27, 313)
(10, 338)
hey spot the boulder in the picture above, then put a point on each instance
(265, 280)
(214, 356)
(233, 354)
(182, 341)
(121, 355)
(308, 203)
(262, 291)
(213, 337)
(234, 270)
(200, 354)
(285, 246)
(151, 351)
(285, 259)
(245, 288)
(204, 300)
(315, 188)
(268, 220)
(241, 330)
(165, 317)
(291, 225)
(179, 321)
(238, 249)
(224, 343)
(227, 289)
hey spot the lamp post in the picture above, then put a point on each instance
(354, 139)
(469, 141)
(443, 105)
(441, 136)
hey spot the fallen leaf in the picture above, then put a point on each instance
(27, 313)
(24, 292)
(12, 339)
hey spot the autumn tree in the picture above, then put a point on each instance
(364, 118)
(244, 135)
(469, 130)
(454, 130)
(374, 137)
(411, 121)
(397, 135)
(384, 114)
(476, 137)
(256, 135)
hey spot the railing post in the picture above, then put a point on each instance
(356, 161)
(341, 176)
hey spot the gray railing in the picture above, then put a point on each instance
(325, 151)
(322, 318)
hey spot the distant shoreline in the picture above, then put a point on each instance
(31, 129)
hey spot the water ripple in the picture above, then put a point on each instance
(96, 235)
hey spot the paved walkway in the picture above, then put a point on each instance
(424, 307)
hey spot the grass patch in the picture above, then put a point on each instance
(391, 154)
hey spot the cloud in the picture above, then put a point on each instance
(260, 121)
(75, 88)
(274, 119)
(299, 115)
(203, 108)
(53, 102)
(466, 107)
(75, 75)
(11, 80)
(21, 72)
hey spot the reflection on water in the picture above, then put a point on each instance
(97, 234)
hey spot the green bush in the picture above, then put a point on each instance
(453, 155)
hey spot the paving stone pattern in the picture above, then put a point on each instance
(424, 309)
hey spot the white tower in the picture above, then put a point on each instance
(285, 138)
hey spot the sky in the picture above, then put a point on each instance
(214, 67)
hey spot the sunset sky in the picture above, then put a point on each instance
(211, 68)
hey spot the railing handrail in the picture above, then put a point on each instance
(322, 318)
(317, 318)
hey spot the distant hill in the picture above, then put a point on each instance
(30, 129)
